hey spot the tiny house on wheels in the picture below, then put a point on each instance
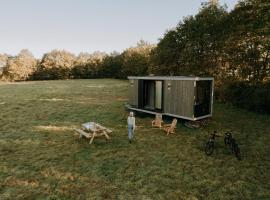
(183, 97)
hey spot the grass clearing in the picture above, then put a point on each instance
(42, 158)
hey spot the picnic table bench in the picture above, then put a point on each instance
(90, 130)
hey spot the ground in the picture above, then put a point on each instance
(42, 158)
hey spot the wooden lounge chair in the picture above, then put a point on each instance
(170, 128)
(158, 121)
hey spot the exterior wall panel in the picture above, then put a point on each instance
(179, 97)
(133, 92)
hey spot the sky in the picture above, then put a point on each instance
(88, 25)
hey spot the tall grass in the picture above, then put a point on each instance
(42, 158)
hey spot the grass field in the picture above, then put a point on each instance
(42, 158)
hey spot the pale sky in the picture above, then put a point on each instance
(88, 25)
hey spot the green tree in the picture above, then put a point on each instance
(88, 65)
(56, 64)
(195, 46)
(165, 58)
(248, 45)
(112, 65)
(3, 62)
(136, 60)
(20, 67)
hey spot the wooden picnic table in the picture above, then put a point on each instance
(91, 130)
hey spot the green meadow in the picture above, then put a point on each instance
(41, 157)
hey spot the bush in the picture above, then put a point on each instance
(242, 94)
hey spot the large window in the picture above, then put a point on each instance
(202, 98)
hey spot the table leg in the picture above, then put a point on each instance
(94, 134)
(106, 135)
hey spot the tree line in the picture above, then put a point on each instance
(232, 46)
(61, 64)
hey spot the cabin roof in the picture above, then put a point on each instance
(170, 78)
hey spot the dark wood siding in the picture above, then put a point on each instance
(133, 92)
(179, 97)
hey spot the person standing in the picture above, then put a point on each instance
(131, 126)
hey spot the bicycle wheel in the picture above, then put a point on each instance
(236, 150)
(209, 148)
(226, 141)
(232, 144)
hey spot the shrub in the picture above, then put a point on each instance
(242, 94)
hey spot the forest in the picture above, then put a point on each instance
(232, 46)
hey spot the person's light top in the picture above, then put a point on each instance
(131, 121)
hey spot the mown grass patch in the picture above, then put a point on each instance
(42, 158)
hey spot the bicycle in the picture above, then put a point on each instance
(210, 145)
(229, 140)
